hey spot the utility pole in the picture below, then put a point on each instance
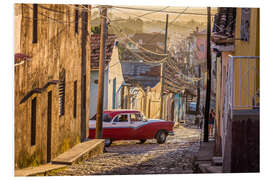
(103, 33)
(208, 88)
(162, 68)
(84, 120)
(198, 90)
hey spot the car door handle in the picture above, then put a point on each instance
(113, 123)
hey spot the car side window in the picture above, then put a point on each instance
(135, 117)
(121, 118)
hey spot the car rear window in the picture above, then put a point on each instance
(106, 118)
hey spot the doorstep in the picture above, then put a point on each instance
(75, 154)
(39, 170)
(79, 151)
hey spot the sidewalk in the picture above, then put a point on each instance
(73, 155)
(205, 162)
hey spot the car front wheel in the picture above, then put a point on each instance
(161, 137)
(142, 141)
(108, 142)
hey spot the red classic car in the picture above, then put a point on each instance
(131, 125)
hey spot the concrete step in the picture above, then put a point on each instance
(39, 170)
(208, 168)
(217, 161)
(79, 151)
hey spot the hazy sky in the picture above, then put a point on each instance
(125, 13)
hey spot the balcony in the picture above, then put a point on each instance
(243, 82)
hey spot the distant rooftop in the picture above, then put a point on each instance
(95, 46)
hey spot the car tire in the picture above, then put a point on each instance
(142, 141)
(108, 142)
(161, 137)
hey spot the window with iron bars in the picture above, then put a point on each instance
(62, 92)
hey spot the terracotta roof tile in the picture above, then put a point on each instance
(95, 49)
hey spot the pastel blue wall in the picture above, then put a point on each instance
(94, 90)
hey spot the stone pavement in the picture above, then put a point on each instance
(129, 157)
(73, 155)
(205, 162)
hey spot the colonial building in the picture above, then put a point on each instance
(52, 76)
(130, 77)
(95, 52)
(135, 78)
(236, 37)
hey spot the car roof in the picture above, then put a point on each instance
(118, 111)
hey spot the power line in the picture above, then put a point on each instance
(119, 10)
(143, 9)
(172, 21)
(136, 43)
(153, 12)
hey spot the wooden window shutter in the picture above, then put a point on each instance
(33, 121)
(76, 19)
(75, 100)
(62, 92)
(245, 23)
(35, 21)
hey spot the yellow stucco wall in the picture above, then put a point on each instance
(245, 70)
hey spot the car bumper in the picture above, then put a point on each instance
(171, 133)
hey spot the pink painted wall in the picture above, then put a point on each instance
(201, 47)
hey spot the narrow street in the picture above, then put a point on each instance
(88, 72)
(129, 157)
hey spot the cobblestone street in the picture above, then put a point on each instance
(129, 157)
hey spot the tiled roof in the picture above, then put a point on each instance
(141, 73)
(135, 69)
(127, 54)
(95, 46)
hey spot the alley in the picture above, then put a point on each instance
(129, 157)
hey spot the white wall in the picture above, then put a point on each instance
(114, 71)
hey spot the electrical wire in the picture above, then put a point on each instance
(55, 37)
(119, 10)
(136, 43)
(172, 21)
(148, 61)
(161, 11)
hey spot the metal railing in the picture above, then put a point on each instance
(247, 92)
(241, 88)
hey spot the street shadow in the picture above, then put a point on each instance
(171, 161)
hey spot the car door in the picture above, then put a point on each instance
(120, 127)
(137, 124)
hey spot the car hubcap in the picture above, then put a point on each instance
(162, 136)
(107, 141)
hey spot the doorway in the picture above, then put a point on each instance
(49, 126)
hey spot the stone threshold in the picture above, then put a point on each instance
(74, 155)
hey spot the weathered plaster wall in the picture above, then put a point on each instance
(57, 48)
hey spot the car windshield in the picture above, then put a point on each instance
(106, 118)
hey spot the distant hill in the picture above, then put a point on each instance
(136, 25)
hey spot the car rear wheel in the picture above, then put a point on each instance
(161, 137)
(108, 142)
(142, 141)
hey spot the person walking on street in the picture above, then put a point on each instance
(211, 122)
